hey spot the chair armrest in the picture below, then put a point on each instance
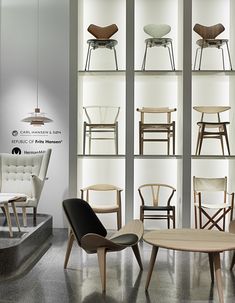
(91, 242)
(37, 185)
(133, 227)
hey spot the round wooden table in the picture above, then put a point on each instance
(193, 240)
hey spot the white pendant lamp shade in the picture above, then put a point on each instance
(37, 118)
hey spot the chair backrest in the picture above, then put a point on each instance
(154, 114)
(209, 32)
(103, 33)
(82, 218)
(102, 114)
(209, 184)
(211, 110)
(95, 194)
(155, 194)
(157, 30)
(16, 171)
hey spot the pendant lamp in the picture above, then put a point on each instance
(37, 117)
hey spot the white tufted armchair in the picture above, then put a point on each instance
(24, 174)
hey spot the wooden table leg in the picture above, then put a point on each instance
(218, 276)
(8, 218)
(16, 215)
(211, 266)
(151, 265)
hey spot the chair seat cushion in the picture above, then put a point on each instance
(104, 208)
(213, 205)
(211, 42)
(158, 207)
(126, 239)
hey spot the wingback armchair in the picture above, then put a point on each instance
(24, 174)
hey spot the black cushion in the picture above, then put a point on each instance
(82, 218)
(145, 207)
(126, 239)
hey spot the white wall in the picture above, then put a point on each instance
(18, 93)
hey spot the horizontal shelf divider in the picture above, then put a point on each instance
(215, 157)
(158, 157)
(213, 72)
(159, 72)
(102, 73)
(101, 156)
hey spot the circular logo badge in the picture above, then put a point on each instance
(16, 151)
(14, 133)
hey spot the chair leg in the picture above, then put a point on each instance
(115, 57)
(16, 215)
(90, 140)
(101, 252)
(136, 251)
(35, 216)
(201, 139)
(24, 216)
(195, 216)
(69, 248)
(226, 139)
(173, 138)
(222, 51)
(233, 261)
(195, 60)
(141, 143)
(87, 56)
(172, 54)
(89, 59)
(173, 217)
(198, 142)
(169, 52)
(119, 219)
(8, 217)
(116, 138)
(141, 214)
(230, 62)
(222, 144)
(210, 255)
(168, 219)
(200, 61)
(84, 138)
(144, 59)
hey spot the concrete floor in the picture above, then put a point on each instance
(178, 277)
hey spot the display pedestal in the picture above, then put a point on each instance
(20, 253)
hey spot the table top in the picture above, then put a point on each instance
(194, 240)
(10, 197)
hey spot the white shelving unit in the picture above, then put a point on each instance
(158, 86)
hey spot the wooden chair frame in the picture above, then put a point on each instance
(95, 243)
(117, 208)
(91, 128)
(212, 130)
(167, 128)
(219, 212)
(170, 210)
(232, 230)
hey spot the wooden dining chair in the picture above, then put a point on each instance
(163, 131)
(212, 202)
(91, 235)
(104, 199)
(212, 130)
(156, 198)
(101, 124)
(209, 40)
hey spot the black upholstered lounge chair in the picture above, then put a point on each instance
(90, 234)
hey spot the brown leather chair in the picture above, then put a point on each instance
(102, 40)
(209, 40)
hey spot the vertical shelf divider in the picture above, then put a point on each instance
(187, 113)
(129, 162)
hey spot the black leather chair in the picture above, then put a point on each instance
(90, 234)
